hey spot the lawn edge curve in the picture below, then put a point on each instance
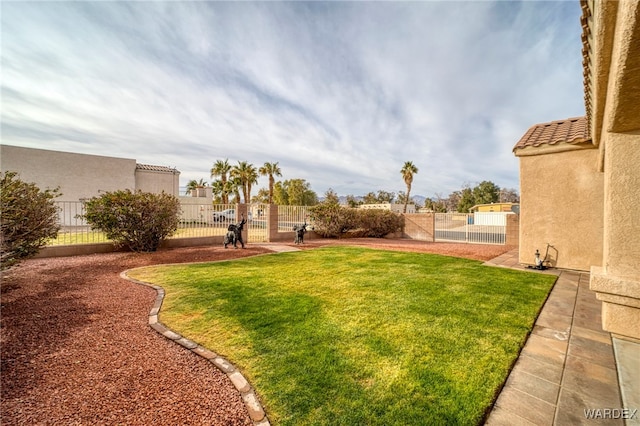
(247, 392)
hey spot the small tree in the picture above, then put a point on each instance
(331, 197)
(382, 197)
(486, 192)
(136, 220)
(262, 197)
(29, 217)
(466, 201)
(509, 195)
(352, 201)
(294, 192)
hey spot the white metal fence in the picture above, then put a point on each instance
(482, 228)
(212, 220)
(290, 216)
(74, 229)
(196, 220)
(205, 220)
(258, 224)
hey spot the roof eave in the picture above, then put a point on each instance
(543, 149)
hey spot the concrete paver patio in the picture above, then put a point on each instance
(567, 373)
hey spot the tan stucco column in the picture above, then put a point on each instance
(617, 282)
(272, 222)
(616, 117)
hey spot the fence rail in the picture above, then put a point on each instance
(196, 220)
(207, 220)
(290, 216)
(258, 224)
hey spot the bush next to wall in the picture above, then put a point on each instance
(378, 223)
(136, 220)
(29, 218)
(331, 220)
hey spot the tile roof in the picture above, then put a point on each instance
(571, 131)
(155, 168)
(585, 23)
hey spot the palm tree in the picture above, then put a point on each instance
(195, 184)
(233, 186)
(252, 179)
(407, 172)
(221, 168)
(218, 190)
(247, 175)
(271, 170)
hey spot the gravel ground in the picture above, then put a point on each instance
(77, 348)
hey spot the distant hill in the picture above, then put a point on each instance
(343, 199)
(419, 199)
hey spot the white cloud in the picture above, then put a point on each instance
(340, 94)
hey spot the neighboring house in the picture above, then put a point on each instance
(157, 179)
(396, 208)
(580, 177)
(494, 207)
(81, 176)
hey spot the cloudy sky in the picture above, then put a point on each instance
(341, 94)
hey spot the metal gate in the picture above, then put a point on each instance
(258, 223)
(480, 228)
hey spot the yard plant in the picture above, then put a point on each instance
(331, 220)
(136, 220)
(28, 218)
(347, 336)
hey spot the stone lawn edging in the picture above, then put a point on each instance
(249, 397)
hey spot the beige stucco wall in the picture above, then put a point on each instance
(622, 206)
(419, 226)
(561, 204)
(197, 208)
(84, 176)
(617, 281)
(615, 127)
(158, 181)
(78, 175)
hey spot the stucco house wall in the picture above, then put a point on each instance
(157, 179)
(196, 207)
(396, 208)
(611, 61)
(611, 51)
(82, 176)
(78, 175)
(560, 203)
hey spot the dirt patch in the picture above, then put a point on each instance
(77, 347)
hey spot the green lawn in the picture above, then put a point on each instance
(354, 336)
(88, 236)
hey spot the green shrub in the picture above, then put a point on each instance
(331, 220)
(136, 220)
(29, 217)
(378, 223)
